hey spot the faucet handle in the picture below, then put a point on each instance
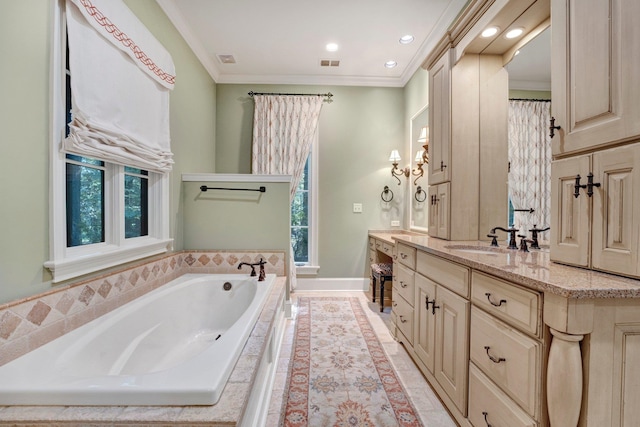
(523, 243)
(494, 239)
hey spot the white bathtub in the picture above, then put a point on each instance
(176, 345)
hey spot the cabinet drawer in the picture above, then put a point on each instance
(488, 405)
(446, 273)
(515, 305)
(372, 244)
(387, 249)
(510, 358)
(404, 282)
(373, 258)
(407, 255)
(404, 318)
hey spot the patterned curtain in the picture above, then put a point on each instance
(530, 160)
(284, 127)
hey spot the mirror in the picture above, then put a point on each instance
(419, 179)
(529, 145)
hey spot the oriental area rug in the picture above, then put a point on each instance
(339, 374)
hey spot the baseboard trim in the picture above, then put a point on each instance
(332, 284)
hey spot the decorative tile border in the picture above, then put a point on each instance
(31, 322)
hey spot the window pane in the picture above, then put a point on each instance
(85, 204)
(136, 204)
(300, 243)
(300, 209)
(304, 179)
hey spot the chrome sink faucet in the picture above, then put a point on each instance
(512, 236)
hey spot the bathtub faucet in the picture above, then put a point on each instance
(253, 270)
(262, 275)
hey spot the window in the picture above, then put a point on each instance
(102, 214)
(304, 217)
(300, 219)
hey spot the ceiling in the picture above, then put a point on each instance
(283, 41)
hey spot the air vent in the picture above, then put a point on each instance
(227, 59)
(329, 63)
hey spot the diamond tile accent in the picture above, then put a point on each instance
(232, 259)
(65, 303)
(8, 324)
(204, 260)
(145, 273)
(218, 259)
(173, 263)
(273, 259)
(38, 313)
(86, 295)
(120, 283)
(190, 260)
(133, 278)
(104, 289)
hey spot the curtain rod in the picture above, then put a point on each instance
(529, 99)
(327, 95)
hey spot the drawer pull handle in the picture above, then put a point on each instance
(485, 418)
(427, 302)
(403, 255)
(395, 304)
(403, 320)
(493, 358)
(502, 301)
(404, 285)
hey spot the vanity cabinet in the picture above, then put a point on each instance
(598, 231)
(441, 325)
(595, 73)
(403, 293)
(506, 347)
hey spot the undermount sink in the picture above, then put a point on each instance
(471, 249)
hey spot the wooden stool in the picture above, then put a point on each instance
(382, 273)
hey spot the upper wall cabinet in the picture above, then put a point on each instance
(596, 73)
(440, 120)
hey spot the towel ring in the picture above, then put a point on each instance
(418, 192)
(386, 192)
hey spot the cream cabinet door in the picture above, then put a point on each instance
(452, 345)
(440, 120)
(615, 230)
(570, 215)
(424, 322)
(439, 199)
(595, 72)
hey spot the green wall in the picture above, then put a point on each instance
(25, 43)
(357, 131)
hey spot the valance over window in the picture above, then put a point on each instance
(120, 81)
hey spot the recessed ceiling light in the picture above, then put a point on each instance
(406, 39)
(332, 47)
(490, 31)
(517, 53)
(516, 32)
(390, 64)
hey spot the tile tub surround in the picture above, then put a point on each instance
(227, 412)
(31, 322)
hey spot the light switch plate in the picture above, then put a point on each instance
(357, 208)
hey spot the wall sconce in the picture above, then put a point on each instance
(422, 156)
(395, 171)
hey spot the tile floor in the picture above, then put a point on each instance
(430, 409)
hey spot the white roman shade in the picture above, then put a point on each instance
(120, 81)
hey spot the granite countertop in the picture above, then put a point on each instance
(532, 269)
